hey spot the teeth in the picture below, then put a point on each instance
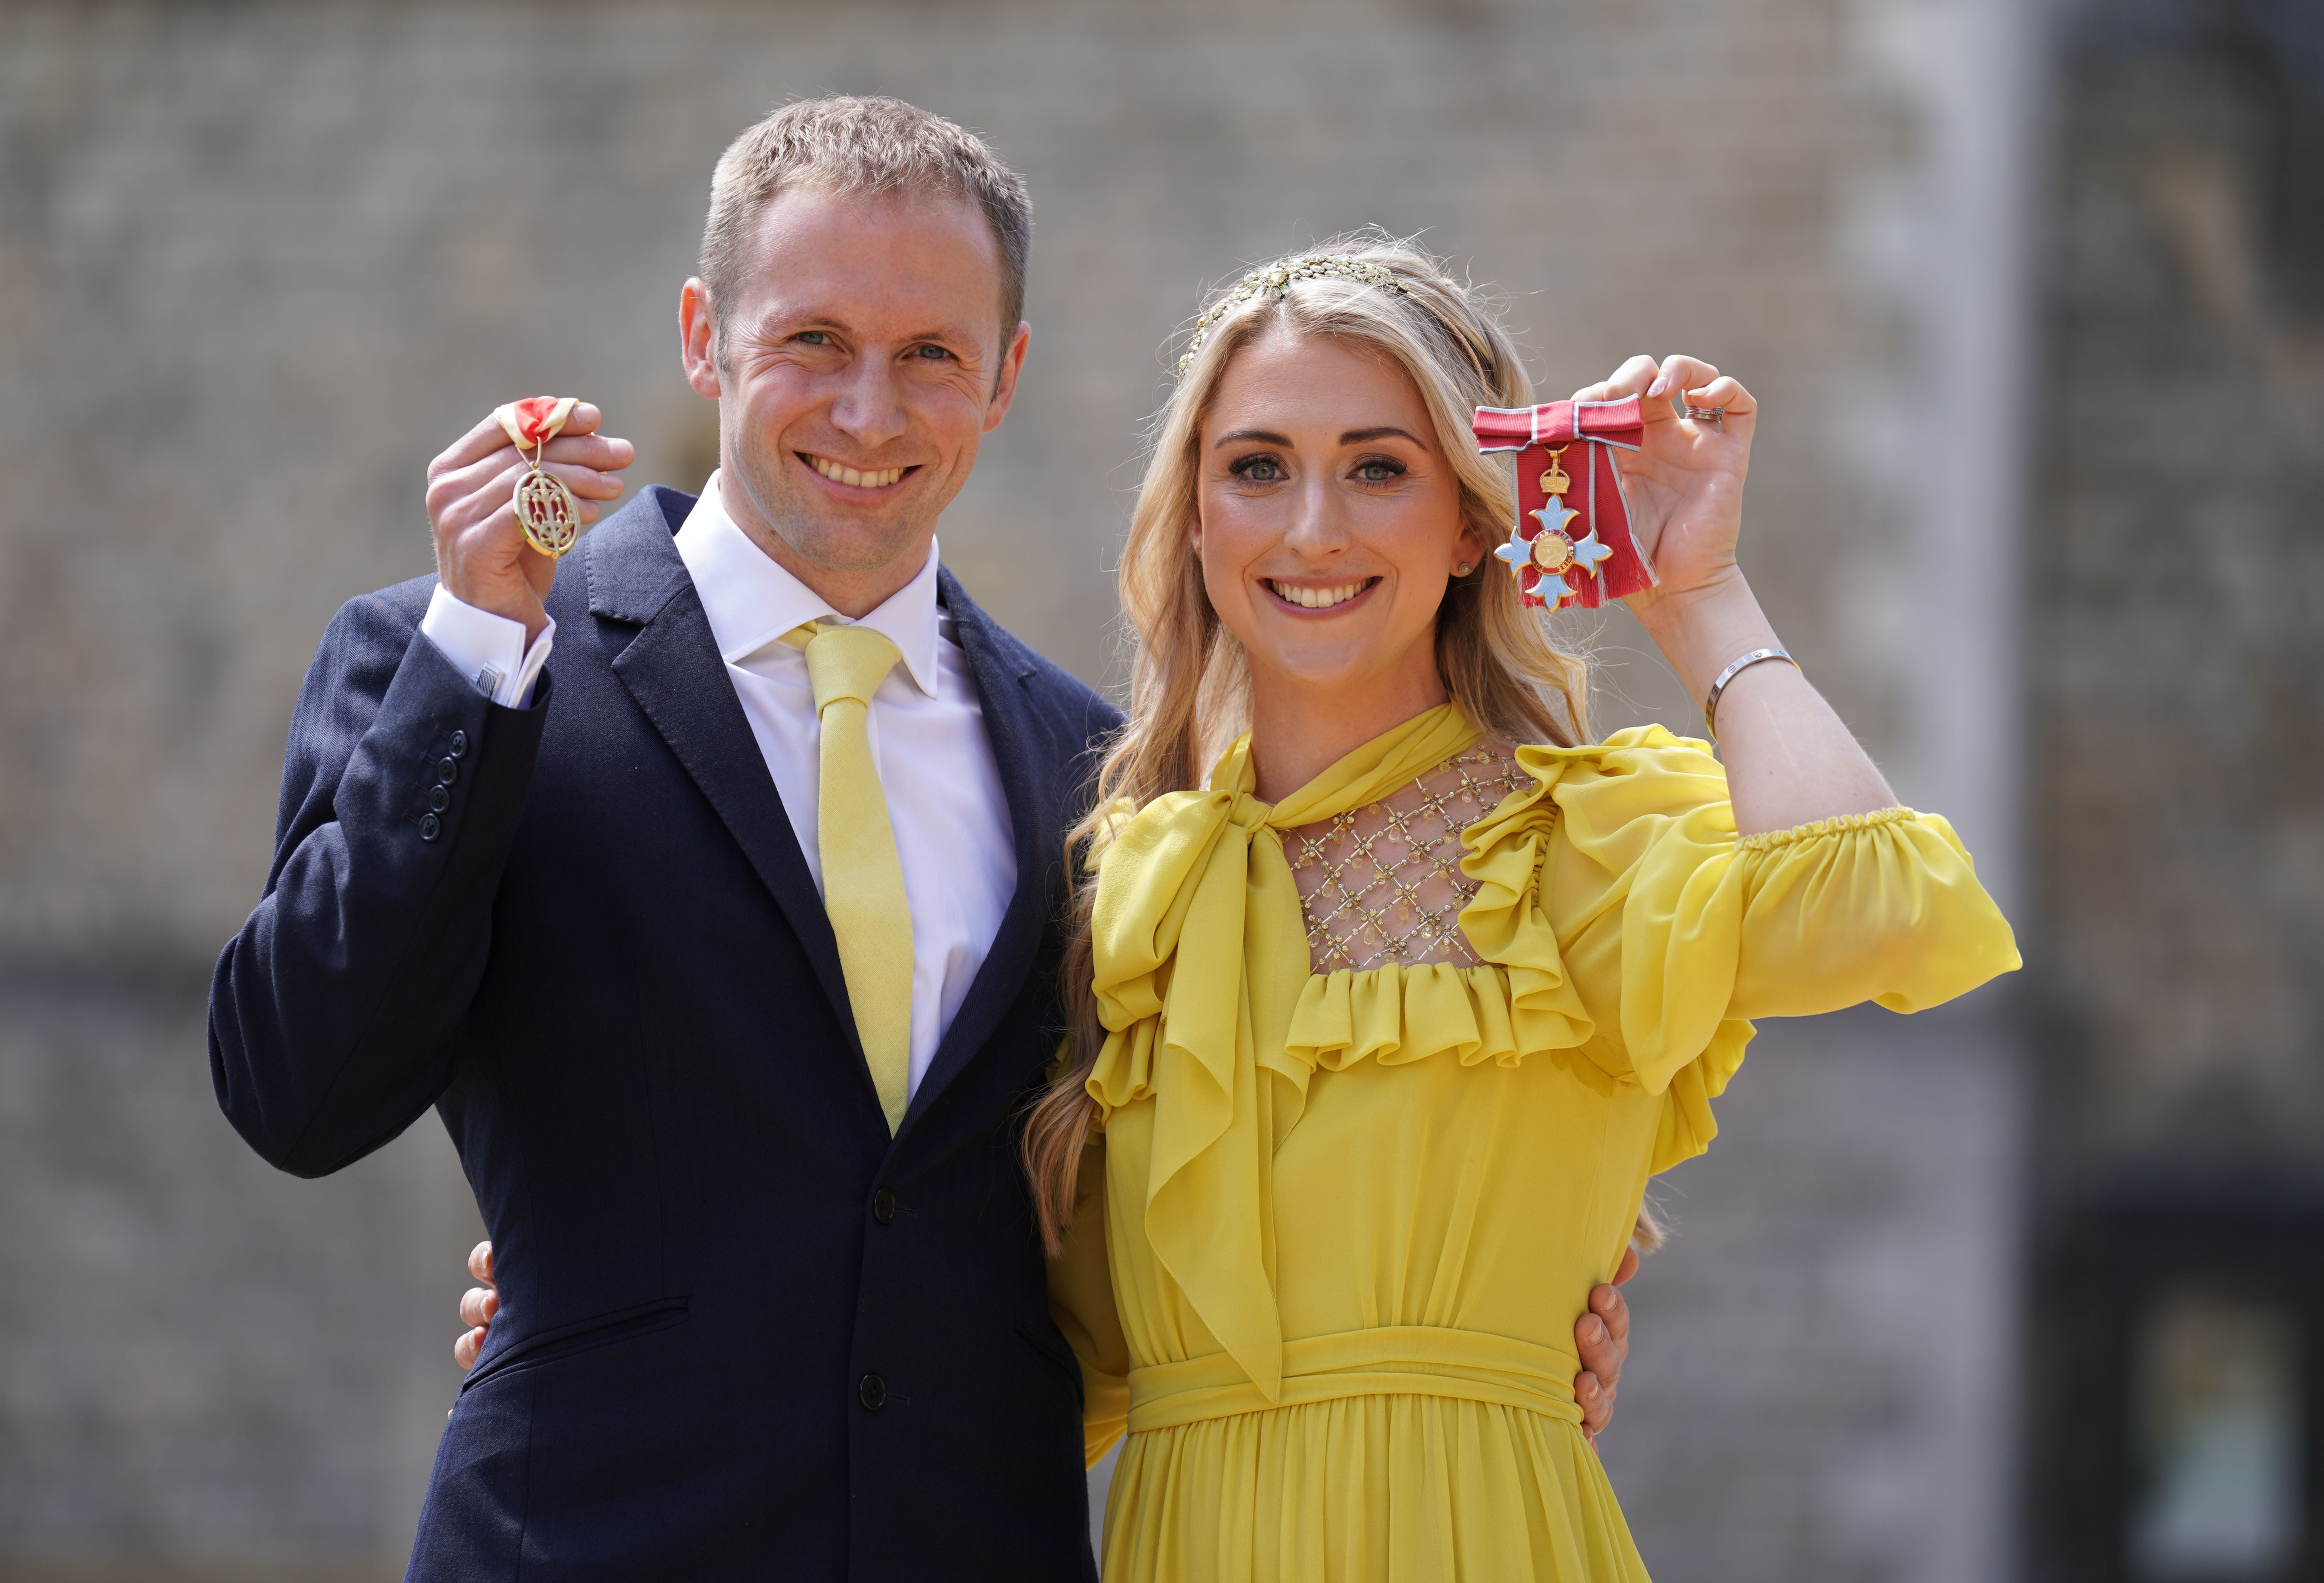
(1319, 598)
(880, 478)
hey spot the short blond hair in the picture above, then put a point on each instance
(852, 146)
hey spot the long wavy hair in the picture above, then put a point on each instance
(1190, 682)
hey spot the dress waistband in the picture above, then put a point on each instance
(1397, 1360)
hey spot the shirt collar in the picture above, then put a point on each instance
(751, 600)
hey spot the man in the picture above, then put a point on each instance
(725, 943)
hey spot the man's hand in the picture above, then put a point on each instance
(480, 1303)
(1602, 1338)
(482, 558)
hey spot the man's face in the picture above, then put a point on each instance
(857, 369)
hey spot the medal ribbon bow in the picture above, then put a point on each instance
(535, 420)
(1572, 544)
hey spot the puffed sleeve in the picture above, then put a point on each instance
(1674, 933)
(1081, 1300)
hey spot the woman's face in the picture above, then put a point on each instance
(1329, 519)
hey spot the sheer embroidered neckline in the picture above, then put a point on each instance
(1382, 883)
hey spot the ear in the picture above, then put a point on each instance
(1004, 388)
(697, 338)
(1470, 546)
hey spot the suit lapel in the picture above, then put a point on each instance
(672, 668)
(1030, 784)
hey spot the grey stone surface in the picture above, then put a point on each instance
(205, 1365)
(2182, 699)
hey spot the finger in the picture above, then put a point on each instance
(1725, 393)
(1614, 1310)
(1680, 372)
(472, 446)
(478, 1304)
(1597, 1411)
(476, 491)
(606, 453)
(1593, 1343)
(1629, 1265)
(488, 437)
(465, 1350)
(480, 1261)
(1630, 379)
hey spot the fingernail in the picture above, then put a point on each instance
(1659, 387)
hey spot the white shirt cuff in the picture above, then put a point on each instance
(487, 649)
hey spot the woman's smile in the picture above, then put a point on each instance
(1310, 599)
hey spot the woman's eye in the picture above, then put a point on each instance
(1259, 470)
(1379, 471)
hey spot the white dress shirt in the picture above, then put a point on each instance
(944, 799)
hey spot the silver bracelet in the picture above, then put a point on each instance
(1741, 663)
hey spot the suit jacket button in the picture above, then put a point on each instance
(883, 1206)
(439, 798)
(873, 1392)
(447, 771)
(430, 827)
(459, 748)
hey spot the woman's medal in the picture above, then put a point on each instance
(1571, 544)
(545, 508)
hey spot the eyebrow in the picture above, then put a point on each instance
(1353, 437)
(778, 323)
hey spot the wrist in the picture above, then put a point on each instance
(1699, 629)
(519, 603)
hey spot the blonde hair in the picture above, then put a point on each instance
(853, 146)
(1189, 681)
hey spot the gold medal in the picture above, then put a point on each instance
(545, 508)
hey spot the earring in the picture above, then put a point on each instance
(1461, 570)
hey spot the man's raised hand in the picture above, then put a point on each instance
(481, 556)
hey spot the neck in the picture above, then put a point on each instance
(850, 591)
(1298, 730)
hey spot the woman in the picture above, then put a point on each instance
(1380, 1033)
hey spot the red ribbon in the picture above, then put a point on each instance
(535, 420)
(1587, 433)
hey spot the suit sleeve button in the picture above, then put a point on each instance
(439, 798)
(883, 1206)
(459, 748)
(447, 771)
(430, 827)
(873, 1392)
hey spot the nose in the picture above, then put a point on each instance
(1319, 524)
(869, 406)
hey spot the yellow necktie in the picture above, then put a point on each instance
(862, 880)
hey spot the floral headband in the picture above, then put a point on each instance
(1278, 276)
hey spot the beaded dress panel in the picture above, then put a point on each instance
(1382, 883)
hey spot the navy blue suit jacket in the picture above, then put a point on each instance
(743, 1333)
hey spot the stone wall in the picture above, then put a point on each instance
(259, 262)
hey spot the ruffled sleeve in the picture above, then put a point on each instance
(1622, 883)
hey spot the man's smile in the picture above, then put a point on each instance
(854, 478)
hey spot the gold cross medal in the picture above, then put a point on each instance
(1541, 553)
(545, 508)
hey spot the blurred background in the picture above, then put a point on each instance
(2032, 294)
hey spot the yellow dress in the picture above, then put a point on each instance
(1350, 1219)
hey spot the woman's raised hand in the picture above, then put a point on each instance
(1684, 484)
